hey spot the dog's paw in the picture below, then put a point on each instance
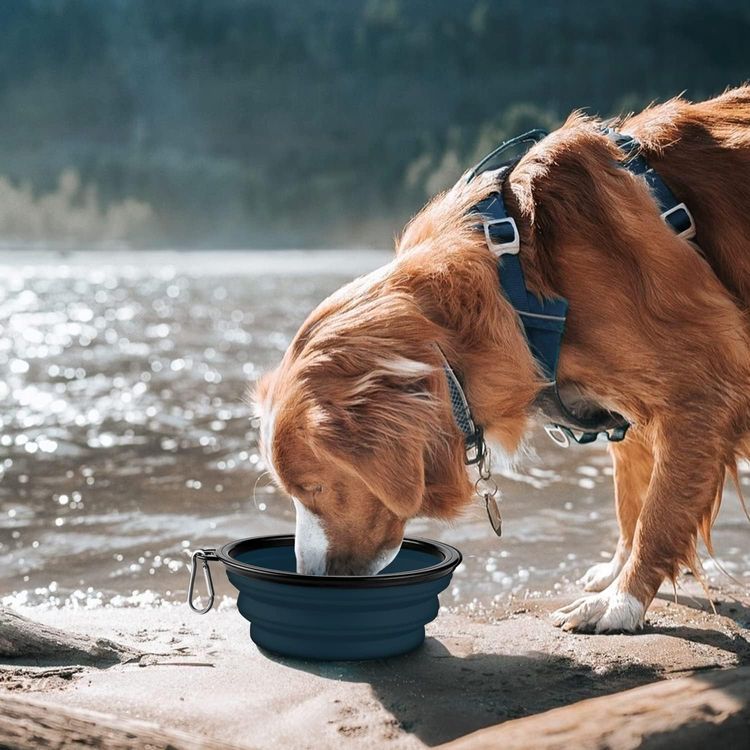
(599, 576)
(611, 611)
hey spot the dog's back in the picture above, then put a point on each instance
(702, 150)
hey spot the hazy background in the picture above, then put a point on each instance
(323, 123)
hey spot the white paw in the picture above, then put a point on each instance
(607, 612)
(599, 576)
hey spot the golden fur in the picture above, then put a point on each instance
(657, 331)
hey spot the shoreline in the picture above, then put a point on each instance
(345, 262)
(203, 675)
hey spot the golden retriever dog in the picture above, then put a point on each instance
(357, 424)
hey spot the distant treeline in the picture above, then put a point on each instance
(314, 122)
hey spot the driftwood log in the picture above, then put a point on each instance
(23, 641)
(28, 724)
(710, 709)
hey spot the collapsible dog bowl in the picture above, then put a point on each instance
(332, 617)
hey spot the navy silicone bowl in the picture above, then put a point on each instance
(337, 617)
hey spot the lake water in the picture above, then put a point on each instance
(126, 438)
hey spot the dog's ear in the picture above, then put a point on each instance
(394, 472)
(378, 428)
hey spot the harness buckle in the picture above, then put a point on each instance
(499, 240)
(476, 448)
(680, 220)
(562, 435)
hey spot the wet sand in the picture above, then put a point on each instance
(202, 675)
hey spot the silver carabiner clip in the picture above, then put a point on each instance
(202, 555)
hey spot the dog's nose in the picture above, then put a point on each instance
(346, 566)
(343, 566)
(307, 569)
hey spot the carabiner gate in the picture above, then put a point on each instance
(204, 555)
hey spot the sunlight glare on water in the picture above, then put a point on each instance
(126, 436)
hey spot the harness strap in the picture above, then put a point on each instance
(674, 212)
(543, 323)
(543, 319)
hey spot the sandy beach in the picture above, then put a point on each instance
(202, 676)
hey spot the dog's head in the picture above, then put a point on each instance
(356, 422)
(357, 427)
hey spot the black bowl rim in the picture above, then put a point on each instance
(451, 559)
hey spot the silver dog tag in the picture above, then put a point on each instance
(493, 513)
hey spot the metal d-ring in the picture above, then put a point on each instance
(204, 555)
(558, 435)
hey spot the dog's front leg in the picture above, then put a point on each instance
(686, 478)
(633, 463)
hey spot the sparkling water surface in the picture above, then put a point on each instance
(126, 437)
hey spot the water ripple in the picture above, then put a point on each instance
(126, 438)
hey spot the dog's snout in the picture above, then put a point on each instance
(353, 566)
(337, 566)
(344, 566)
(319, 552)
(310, 542)
(307, 569)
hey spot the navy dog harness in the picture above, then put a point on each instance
(543, 319)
